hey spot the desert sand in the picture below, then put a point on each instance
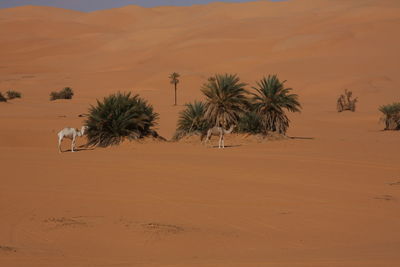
(330, 197)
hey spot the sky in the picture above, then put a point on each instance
(90, 5)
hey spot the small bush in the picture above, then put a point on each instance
(65, 93)
(2, 98)
(250, 122)
(120, 116)
(345, 102)
(391, 116)
(13, 94)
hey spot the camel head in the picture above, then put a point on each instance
(231, 129)
(84, 130)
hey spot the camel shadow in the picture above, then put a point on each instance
(229, 146)
(79, 149)
(301, 138)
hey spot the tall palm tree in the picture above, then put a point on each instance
(225, 100)
(270, 101)
(174, 79)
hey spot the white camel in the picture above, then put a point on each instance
(218, 131)
(70, 133)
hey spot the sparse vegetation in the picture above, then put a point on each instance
(391, 116)
(345, 102)
(191, 120)
(225, 100)
(174, 79)
(120, 116)
(2, 98)
(268, 105)
(65, 93)
(11, 94)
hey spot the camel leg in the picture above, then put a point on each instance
(59, 144)
(73, 144)
(223, 141)
(207, 138)
(220, 141)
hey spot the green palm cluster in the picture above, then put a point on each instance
(391, 116)
(120, 116)
(227, 103)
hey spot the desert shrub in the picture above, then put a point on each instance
(345, 102)
(65, 93)
(2, 98)
(118, 117)
(11, 94)
(391, 116)
(250, 122)
(269, 102)
(191, 120)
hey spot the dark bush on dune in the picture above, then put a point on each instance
(118, 117)
(2, 98)
(191, 120)
(65, 93)
(391, 116)
(11, 94)
(250, 123)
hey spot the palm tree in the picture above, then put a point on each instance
(174, 80)
(225, 100)
(191, 120)
(270, 101)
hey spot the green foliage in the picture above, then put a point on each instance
(391, 109)
(2, 98)
(225, 100)
(11, 94)
(174, 78)
(250, 122)
(65, 93)
(191, 120)
(391, 116)
(270, 101)
(120, 116)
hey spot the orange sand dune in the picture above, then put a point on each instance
(327, 198)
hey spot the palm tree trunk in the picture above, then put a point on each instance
(175, 94)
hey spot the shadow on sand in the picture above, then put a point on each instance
(79, 149)
(301, 138)
(230, 146)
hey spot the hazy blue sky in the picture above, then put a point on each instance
(89, 5)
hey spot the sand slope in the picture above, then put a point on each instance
(327, 198)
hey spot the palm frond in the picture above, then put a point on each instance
(225, 99)
(270, 100)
